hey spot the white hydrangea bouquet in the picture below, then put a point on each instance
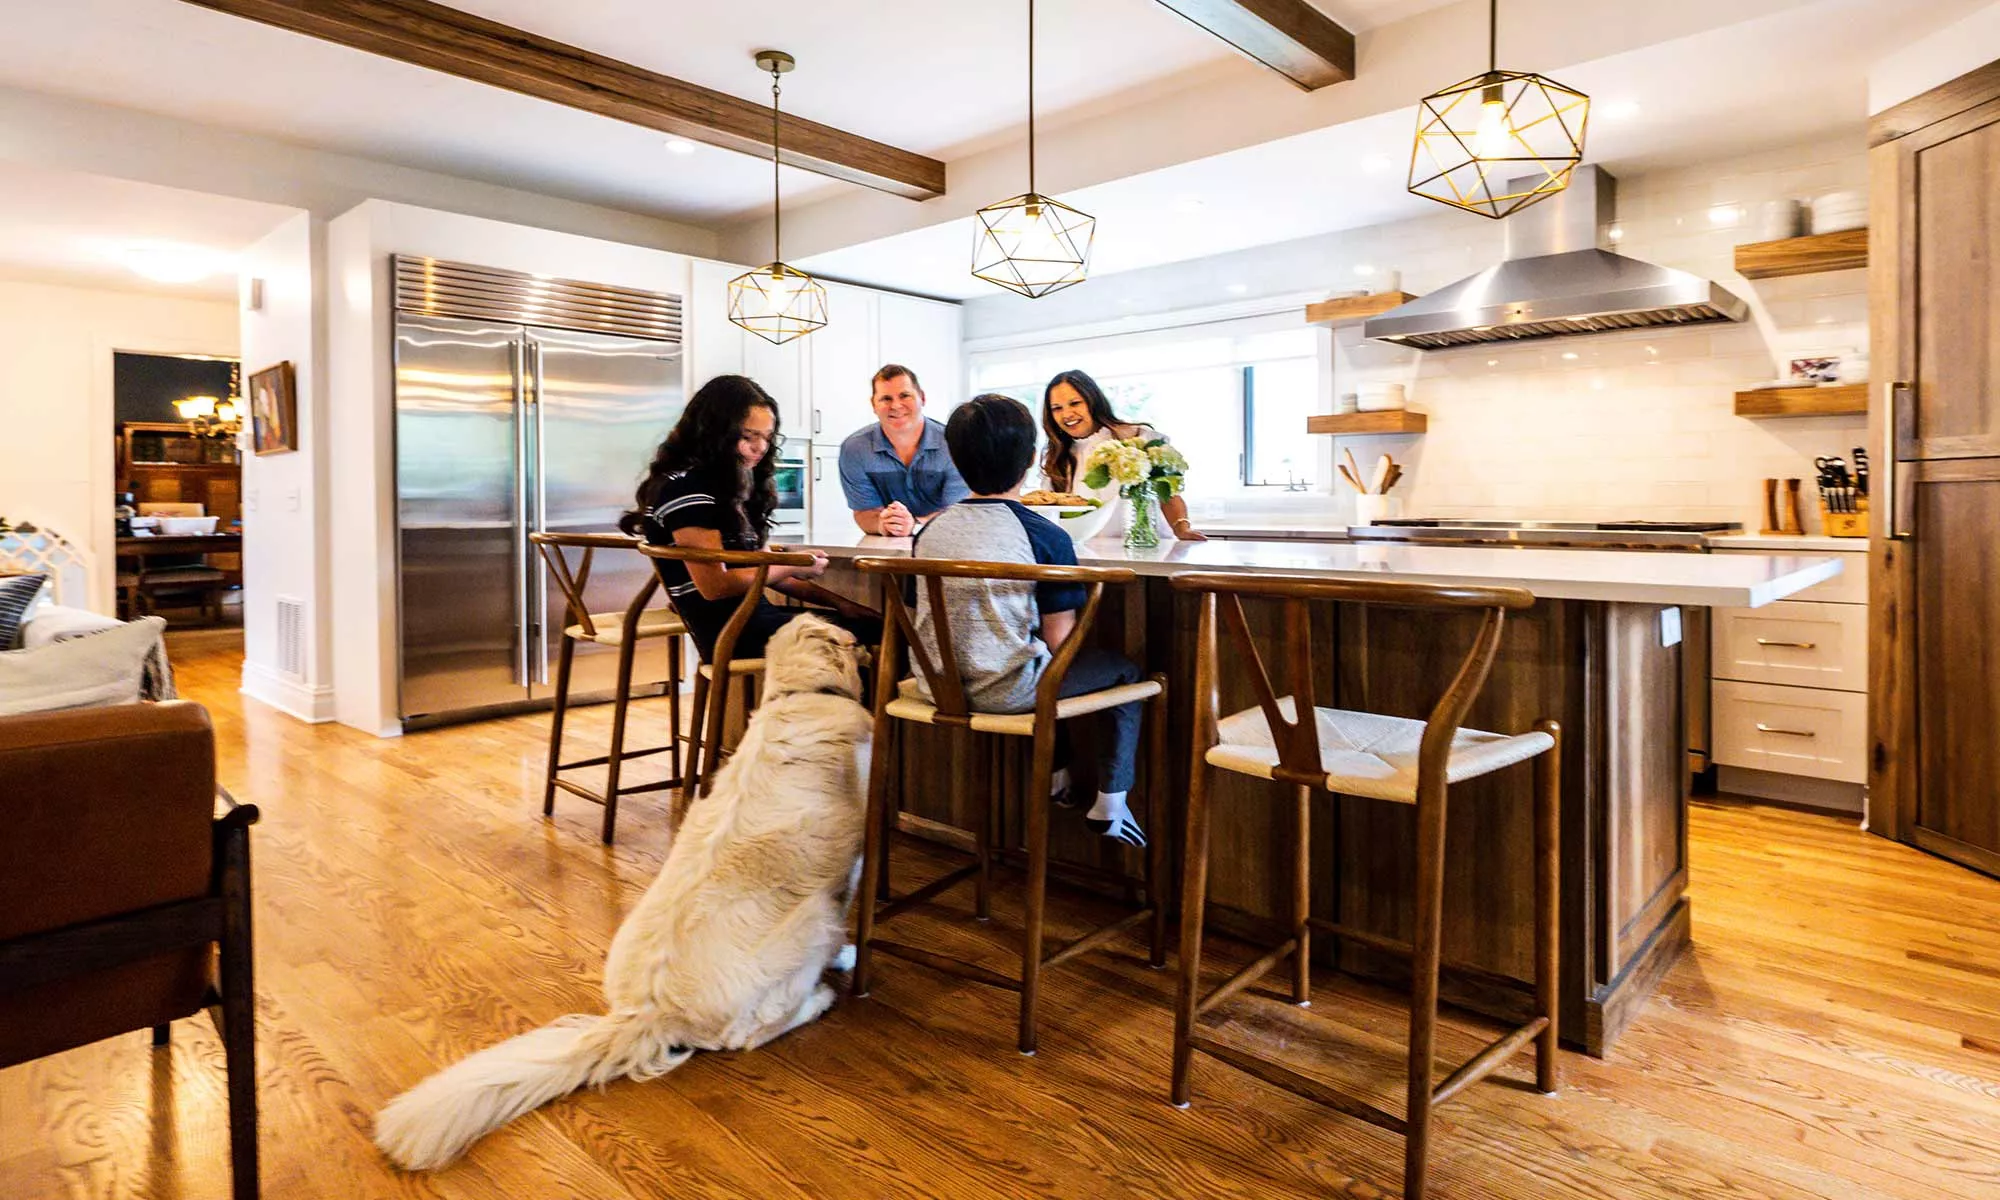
(1146, 470)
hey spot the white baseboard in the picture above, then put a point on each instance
(313, 705)
(1830, 795)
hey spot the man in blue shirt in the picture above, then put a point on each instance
(897, 472)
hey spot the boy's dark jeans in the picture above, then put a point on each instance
(1093, 670)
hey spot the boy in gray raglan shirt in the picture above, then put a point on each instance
(1005, 631)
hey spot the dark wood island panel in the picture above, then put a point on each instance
(1598, 667)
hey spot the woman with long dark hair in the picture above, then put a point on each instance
(710, 487)
(1077, 418)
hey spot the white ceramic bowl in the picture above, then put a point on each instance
(1383, 397)
(183, 526)
(1080, 522)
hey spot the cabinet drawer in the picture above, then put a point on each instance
(1848, 587)
(1791, 730)
(1795, 643)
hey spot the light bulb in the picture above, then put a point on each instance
(195, 406)
(1493, 137)
(225, 411)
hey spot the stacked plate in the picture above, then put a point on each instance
(1836, 211)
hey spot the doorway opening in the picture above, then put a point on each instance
(179, 511)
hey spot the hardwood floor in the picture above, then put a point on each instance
(1836, 1031)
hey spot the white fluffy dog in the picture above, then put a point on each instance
(727, 947)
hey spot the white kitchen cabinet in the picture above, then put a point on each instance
(842, 358)
(714, 346)
(782, 372)
(830, 515)
(1794, 642)
(1792, 730)
(926, 336)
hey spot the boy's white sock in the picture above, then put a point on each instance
(1110, 806)
(1058, 781)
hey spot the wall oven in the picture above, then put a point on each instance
(793, 481)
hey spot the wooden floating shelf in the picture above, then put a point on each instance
(1843, 251)
(1848, 399)
(1343, 309)
(1400, 420)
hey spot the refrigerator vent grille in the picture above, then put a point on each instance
(292, 636)
(434, 287)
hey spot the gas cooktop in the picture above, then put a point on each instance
(1599, 535)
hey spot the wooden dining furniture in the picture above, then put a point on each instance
(143, 581)
(897, 699)
(1290, 739)
(621, 631)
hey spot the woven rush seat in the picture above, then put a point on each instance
(1367, 754)
(609, 628)
(909, 705)
(737, 666)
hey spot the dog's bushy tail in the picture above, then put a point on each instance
(433, 1123)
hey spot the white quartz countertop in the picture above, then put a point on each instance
(1788, 543)
(1715, 580)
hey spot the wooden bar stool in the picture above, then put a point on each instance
(900, 701)
(1396, 759)
(624, 631)
(711, 700)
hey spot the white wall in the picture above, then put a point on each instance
(58, 460)
(283, 493)
(1967, 45)
(360, 468)
(1634, 425)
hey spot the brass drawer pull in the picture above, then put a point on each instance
(1793, 645)
(1763, 728)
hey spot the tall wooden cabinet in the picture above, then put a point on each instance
(1934, 266)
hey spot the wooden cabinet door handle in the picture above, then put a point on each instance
(1793, 645)
(1763, 728)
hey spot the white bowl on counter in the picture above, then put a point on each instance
(186, 526)
(1080, 522)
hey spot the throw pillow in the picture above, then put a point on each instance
(104, 668)
(17, 593)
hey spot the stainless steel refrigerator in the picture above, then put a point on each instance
(505, 427)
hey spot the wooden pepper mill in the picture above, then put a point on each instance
(1782, 515)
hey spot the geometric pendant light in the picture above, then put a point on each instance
(1031, 243)
(1498, 142)
(776, 302)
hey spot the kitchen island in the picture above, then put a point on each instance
(1599, 651)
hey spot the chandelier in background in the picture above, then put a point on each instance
(1500, 141)
(775, 301)
(207, 416)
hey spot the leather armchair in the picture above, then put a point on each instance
(125, 891)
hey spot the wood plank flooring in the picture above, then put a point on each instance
(1836, 1032)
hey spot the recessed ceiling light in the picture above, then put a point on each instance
(679, 146)
(1237, 289)
(1569, 356)
(1364, 269)
(1622, 110)
(1375, 164)
(172, 262)
(1724, 215)
(1492, 362)
(1616, 233)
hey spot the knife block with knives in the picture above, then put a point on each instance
(1843, 495)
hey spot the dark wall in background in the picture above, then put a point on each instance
(145, 386)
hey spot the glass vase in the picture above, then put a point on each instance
(1142, 529)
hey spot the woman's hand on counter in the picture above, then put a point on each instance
(1185, 531)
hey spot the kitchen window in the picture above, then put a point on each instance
(1233, 401)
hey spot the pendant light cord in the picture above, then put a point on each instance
(777, 211)
(1031, 97)
(1492, 36)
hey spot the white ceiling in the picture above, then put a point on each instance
(68, 227)
(926, 76)
(1700, 98)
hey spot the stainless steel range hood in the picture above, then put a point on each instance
(1556, 281)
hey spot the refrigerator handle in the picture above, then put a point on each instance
(516, 352)
(539, 585)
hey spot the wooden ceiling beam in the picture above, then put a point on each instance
(1291, 37)
(458, 43)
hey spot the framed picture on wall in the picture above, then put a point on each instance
(274, 410)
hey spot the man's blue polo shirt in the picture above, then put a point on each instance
(872, 475)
